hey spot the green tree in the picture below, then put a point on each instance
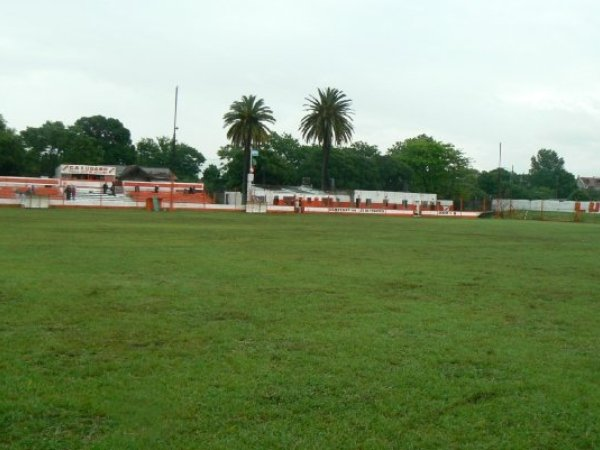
(495, 183)
(394, 174)
(247, 125)
(356, 167)
(504, 184)
(150, 154)
(112, 137)
(212, 179)
(435, 167)
(271, 168)
(232, 170)
(282, 161)
(184, 162)
(53, 144)
(548, 176)
(329, 121)
(301, 162)
(12, 151)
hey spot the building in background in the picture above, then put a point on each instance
(588, 183)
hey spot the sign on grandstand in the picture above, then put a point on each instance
(77, 169)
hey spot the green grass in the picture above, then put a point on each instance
(554, 216)
(136, 330)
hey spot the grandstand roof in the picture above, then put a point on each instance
(140, 173)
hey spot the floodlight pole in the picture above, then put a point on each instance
(173, 143)
(175, 120)
(512, 169)
(498, 200)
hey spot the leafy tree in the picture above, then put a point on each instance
(53, 144)
(394, 174)
(212, 179)
(12, 151)
(465, 187)
(435, 167)
(301, 162)
(584, 195)
(328, 121)
(247, 119)
(548, 176)
(281, 161)
(150, 153)
(232, 169)
(112, 137)
(501, 182)
(185, 161)
(288, 148)
(356, 167)
(284, 161)
(271, 168)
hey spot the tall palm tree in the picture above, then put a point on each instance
(328, 120)
(247, 119)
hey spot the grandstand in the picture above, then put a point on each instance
(305, 199)
(103, 187)
(85, 186)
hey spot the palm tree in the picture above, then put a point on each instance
(247, 120)
(328, 119)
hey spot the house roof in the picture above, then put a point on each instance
(589, 182)
(147, 173)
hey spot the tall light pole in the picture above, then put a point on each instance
(175, 128)
(499, 199)
(173, 143)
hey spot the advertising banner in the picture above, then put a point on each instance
(77, 169)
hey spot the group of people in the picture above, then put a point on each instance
(70, 192)
(113, 189)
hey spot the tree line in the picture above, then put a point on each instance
(327, 159)
(95, 140)
(419, 164)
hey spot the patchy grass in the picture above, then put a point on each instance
(554, 216)
(137, 330)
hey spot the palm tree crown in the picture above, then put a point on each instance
(329, 120)
(247, 119)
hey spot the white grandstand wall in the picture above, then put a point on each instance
(411, 198)
(268, 195)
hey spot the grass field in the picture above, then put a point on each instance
(553, 216)
(136, 330)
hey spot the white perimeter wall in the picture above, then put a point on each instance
(537, 205)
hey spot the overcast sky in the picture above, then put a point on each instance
(471, 72)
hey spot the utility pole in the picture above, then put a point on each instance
(510, 192)
(175, 128)
(173, 143)
(499, 194)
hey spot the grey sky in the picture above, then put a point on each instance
(469, 72)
